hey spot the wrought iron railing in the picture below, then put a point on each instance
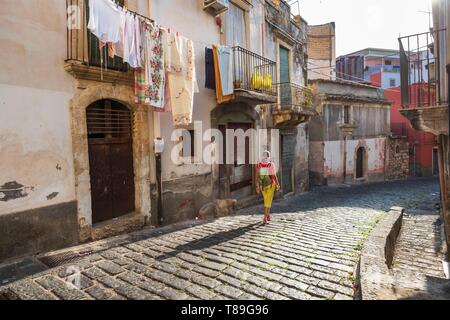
(253, 72)
(291, 96)
(420, 72)
(82, 45)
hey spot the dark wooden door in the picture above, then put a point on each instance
(360, 163)
(110, 160)
(287, 162)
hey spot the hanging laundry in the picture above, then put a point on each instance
(226, 69)
(119, 46)
(182, 78)
(210, 81)
(104, 19)
(131, 41)
(154, 65)
(221, 98)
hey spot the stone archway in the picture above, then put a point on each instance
(141, 152)
(231, 113)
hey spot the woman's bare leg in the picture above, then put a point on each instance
(266, 215)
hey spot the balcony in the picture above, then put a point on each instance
(84, 57)
(294, 105)
(422, 82)
(253, 77)
(286, 26)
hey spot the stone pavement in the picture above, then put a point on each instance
(309, 251)
(417, 268)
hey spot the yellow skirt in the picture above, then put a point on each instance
(268, 193)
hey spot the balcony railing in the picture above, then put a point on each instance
(252, 72)
(293, 96)
(82, 45)
(420, 74)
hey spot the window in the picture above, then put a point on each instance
(188, 140)
(236, 29)
(388, 62)
(347, 117)
(392, 83)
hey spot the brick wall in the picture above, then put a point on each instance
(321, 42)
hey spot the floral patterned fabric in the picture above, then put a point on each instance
(150, 79)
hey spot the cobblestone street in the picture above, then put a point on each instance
(309, 251)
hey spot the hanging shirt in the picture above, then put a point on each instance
(104, 20)
(119, 46)
(131, 46)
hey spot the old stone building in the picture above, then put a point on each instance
(349, 138)
(62, 183)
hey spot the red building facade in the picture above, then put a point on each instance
(423, 146)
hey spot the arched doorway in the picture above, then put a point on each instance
(110, 142)
(360, 159)
(235, 180)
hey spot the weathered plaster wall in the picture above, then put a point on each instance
(301, 160)
(35, 148)
(180, 197)
(334, 159)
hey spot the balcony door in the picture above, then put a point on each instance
(236, 31)
(285, 76)
(95, 54)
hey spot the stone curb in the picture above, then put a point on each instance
(372, 274)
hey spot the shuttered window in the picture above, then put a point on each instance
(236, 30)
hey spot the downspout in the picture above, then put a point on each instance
(345, 158)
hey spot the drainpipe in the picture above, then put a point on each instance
(159, 183)
(345, 157)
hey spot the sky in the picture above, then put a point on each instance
(367, 23)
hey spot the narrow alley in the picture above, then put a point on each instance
(308, 251)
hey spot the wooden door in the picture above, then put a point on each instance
(360, 163)
(287, 162)
(111, 160)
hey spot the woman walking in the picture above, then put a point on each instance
(266, 183)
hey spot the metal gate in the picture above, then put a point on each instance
(109, 127)
(287, 162)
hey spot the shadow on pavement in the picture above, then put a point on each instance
(209, 241)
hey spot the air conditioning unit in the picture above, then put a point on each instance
(216, 7)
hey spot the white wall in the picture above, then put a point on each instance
(35, 139)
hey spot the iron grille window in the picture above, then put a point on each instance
(108, 119)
